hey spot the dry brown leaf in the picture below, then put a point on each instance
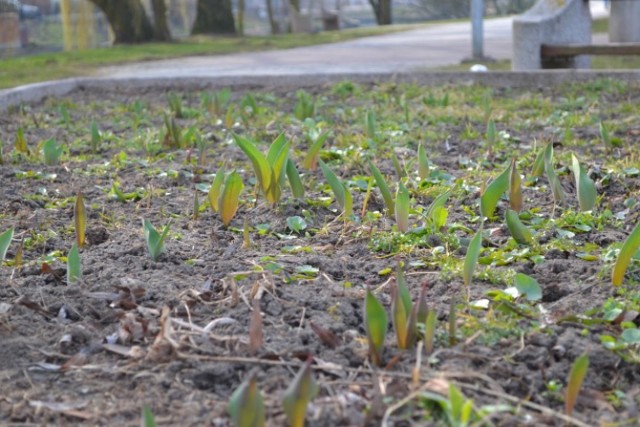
(327, 337)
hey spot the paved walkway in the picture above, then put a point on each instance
(434, 46)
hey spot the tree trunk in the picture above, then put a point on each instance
(382, 11)
(161, 27)
(214, 17)
(272, 19)
(240, 18)
(128, 20)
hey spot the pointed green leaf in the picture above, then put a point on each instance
(429, 331)
(574, 382)
(402, 208)
(495, 190)
(471, 259)
(155, 240)
(398, 167)
(51, 152)
(311, 159)
(147, 417)
(538, 164)
(5, 241)
(297, 188)
(216, 189)
(96, 137)
(348, 203)
(604, 134)
(230, 197)
(80, 219)
(370, 122)
(74, 267)
(586, 189)
(246, 405)
(628, 250)
(528, 286)
(518, 230)
(376, 323)
(492, 134)
(515, 187)
(300, 392)
(434, 212)
(401, 310)
(554, 182)
(383, 187)
(277, 158)
(261, 166)
(21, 142)
(423, 162)
(334, 182)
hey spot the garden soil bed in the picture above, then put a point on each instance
(130, 332)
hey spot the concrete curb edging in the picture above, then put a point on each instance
(37, 92)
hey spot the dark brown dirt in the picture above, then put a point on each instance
(57, 368)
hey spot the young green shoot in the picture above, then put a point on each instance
(429, 331)
(384, 188)
(403, 316)
(495, 190)
(229, 199)
(437, 213)
(80, 219)
(270, 169)
(175, 105)
(96, 137)
(297, 188)
(585, 187)
(376, 323)
(515, 187)
(74, 267)
(5, 241)
(537, 170)
(155, 240)
(628, 250)
(370, 125)
(518, 230)
(402, 208)
(491, 136)
(400, 170)
(173, 136)
(340, 190)
(453, 319)
(471, 258)
(554, 181)
(147, 417)
(300, 392)
(51, 152)
(305, 107)
(21, 142)
(310, 161)
(423, 163)
(216, 189)
(574, 382)
(246, 405)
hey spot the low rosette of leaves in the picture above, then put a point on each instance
(300, 392)
(246, 405)
(376, 324)
(271, 169)
(155, 240)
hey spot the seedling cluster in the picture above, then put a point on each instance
(447, 211)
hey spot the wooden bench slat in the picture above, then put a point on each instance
(554, 51)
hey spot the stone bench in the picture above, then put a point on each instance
(553, 23)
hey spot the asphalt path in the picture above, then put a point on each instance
(433, 46)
